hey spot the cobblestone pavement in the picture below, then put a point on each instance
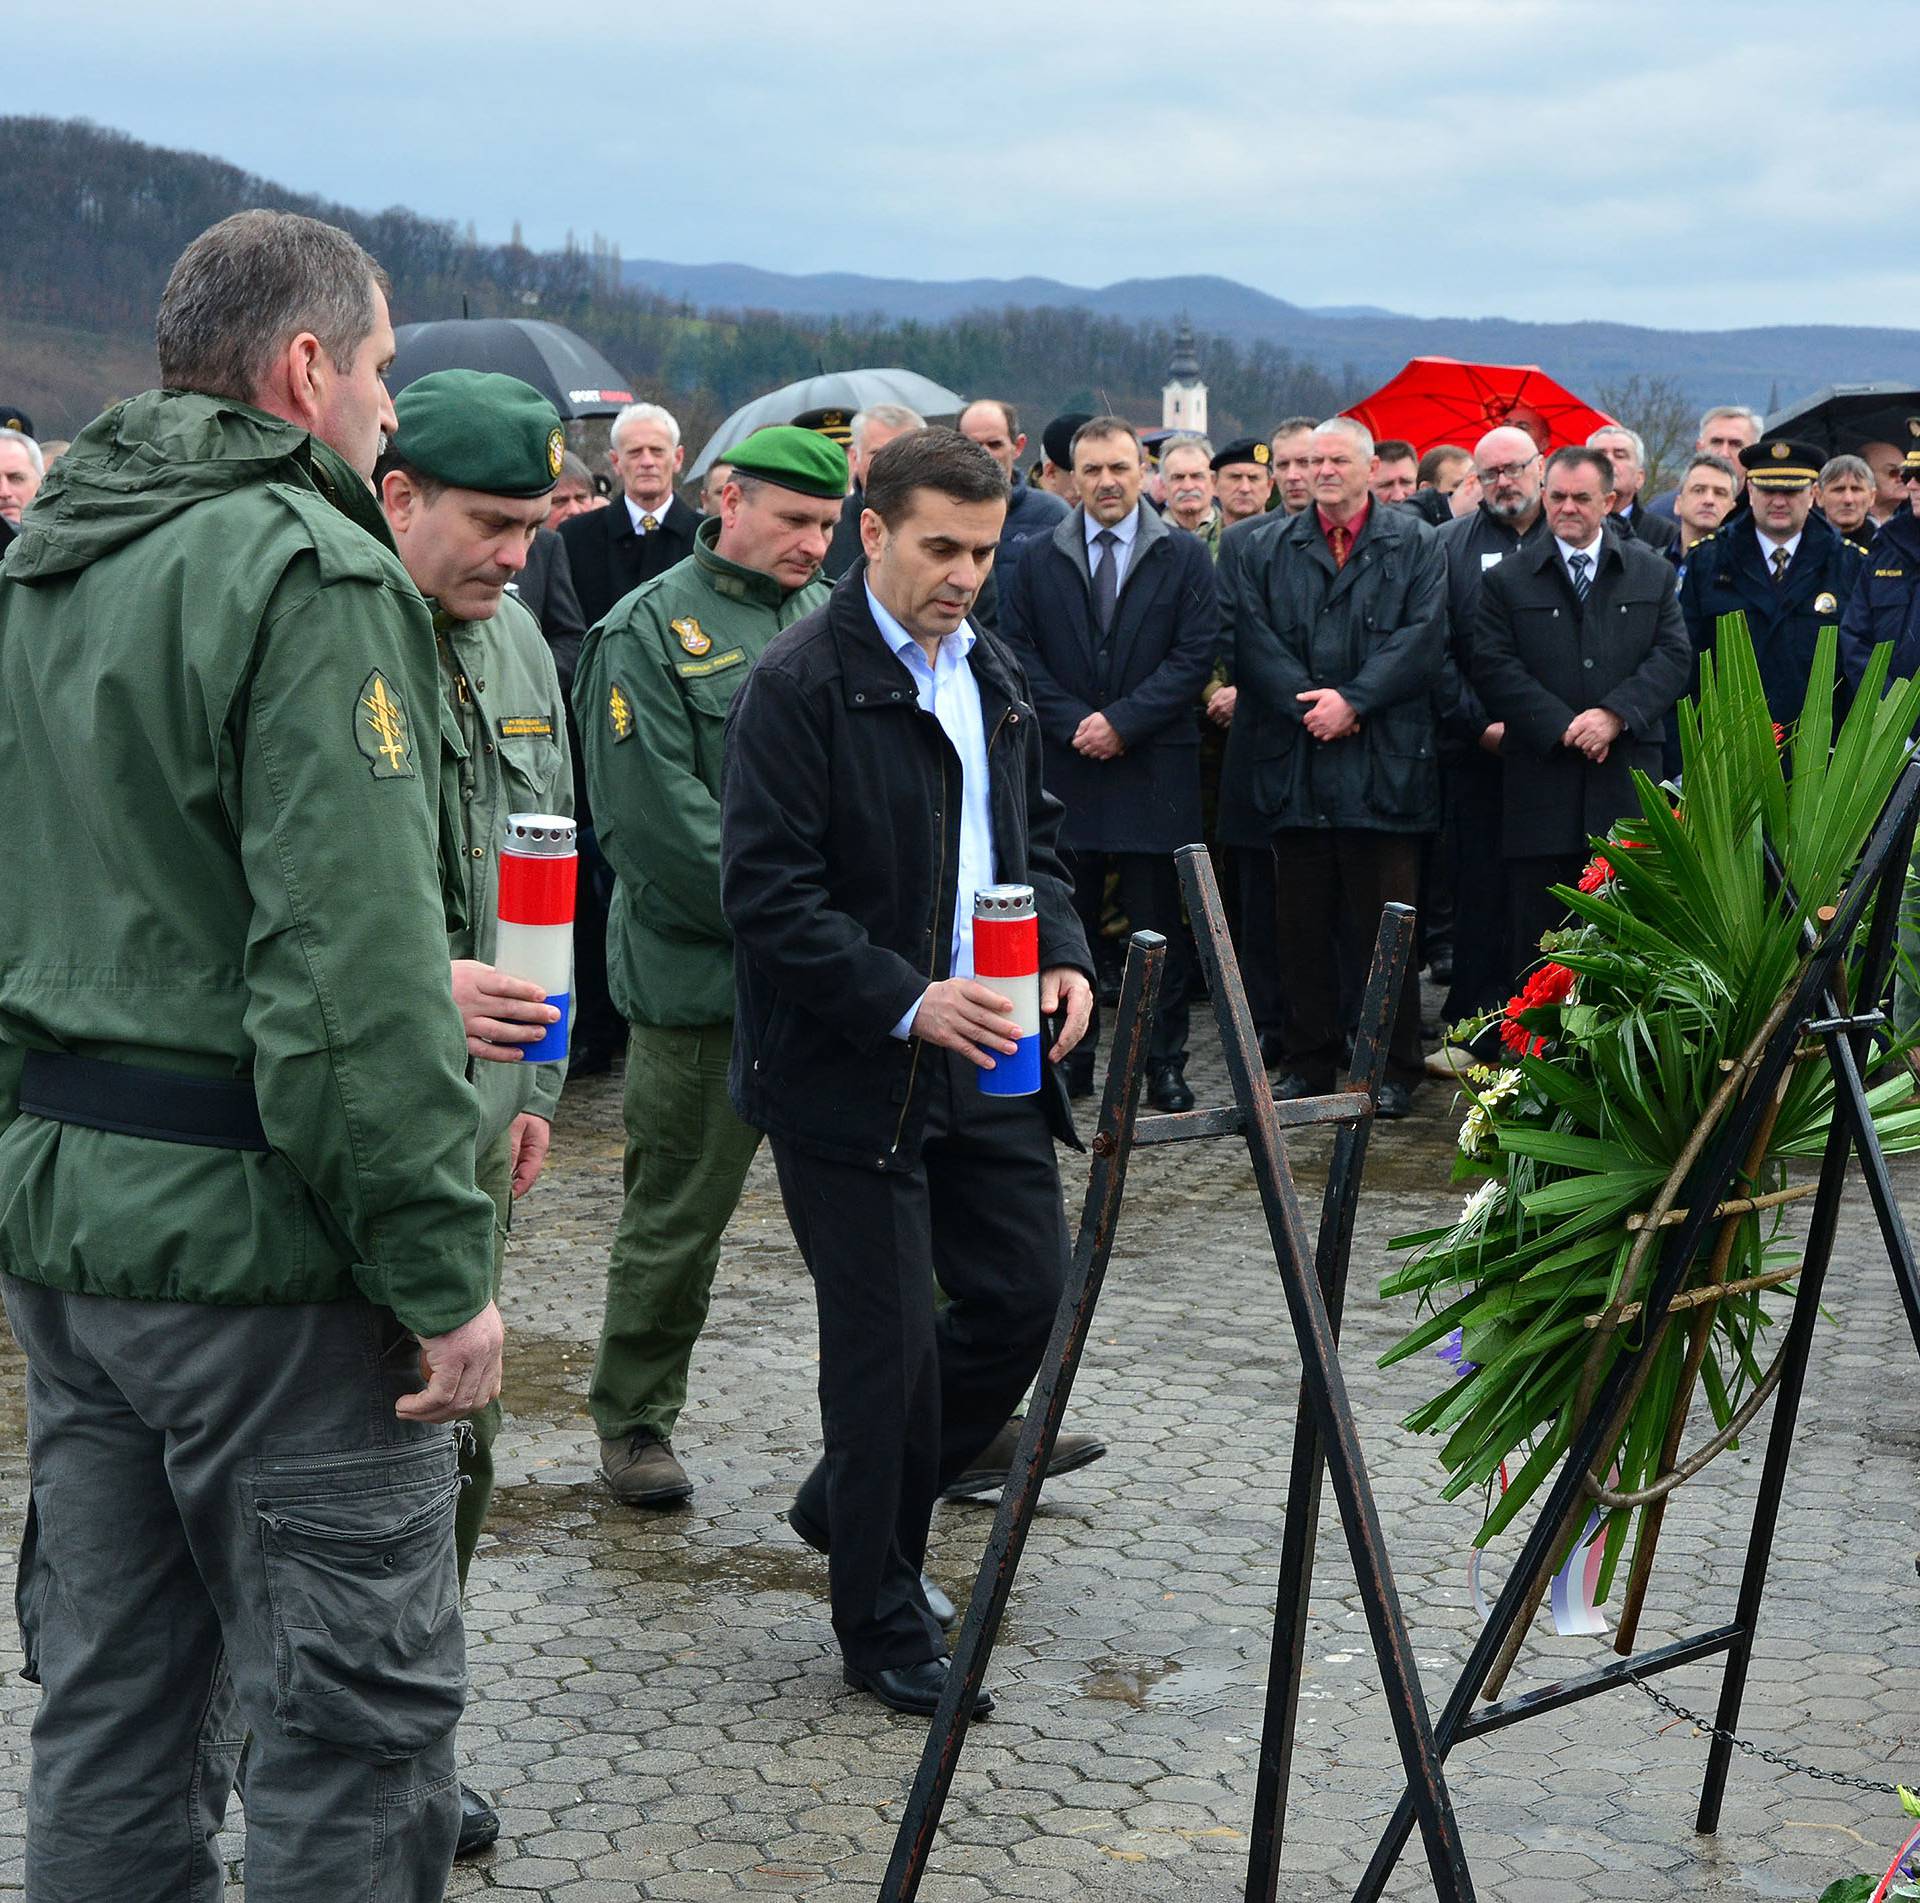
(657, 1703)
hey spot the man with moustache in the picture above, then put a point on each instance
(1186, 474)
(1115, 618)
(1508, 522)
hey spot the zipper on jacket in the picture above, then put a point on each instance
(933, 955)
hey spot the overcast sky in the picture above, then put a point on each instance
(1703, 166)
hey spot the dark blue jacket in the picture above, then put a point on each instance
(1726, 573)
(1030, 512)
(1145, 676)
(1885, 603)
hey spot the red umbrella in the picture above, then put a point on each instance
(1441, 400)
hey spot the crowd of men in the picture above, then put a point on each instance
(282, 654)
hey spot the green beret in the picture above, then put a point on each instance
(475, 429)
(792, 458)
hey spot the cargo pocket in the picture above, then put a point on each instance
(369, 1653)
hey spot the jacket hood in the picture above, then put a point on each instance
(145, 461)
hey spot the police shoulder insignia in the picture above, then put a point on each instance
(1824, 604)
(381, 729)
(692, 636)
(520, 726)
(620, 712)
(556, 452)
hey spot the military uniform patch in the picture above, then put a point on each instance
(620, 712)
(693, 670)
(1825, 604)
(519, 726)
(556, 453)
(381, 730)
(1263, 452)
(693, 637)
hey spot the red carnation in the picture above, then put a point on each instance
(1597, 874)
(1549, 986)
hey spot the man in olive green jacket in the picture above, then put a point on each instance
(238, 1218)
(464, 487)
(655, 681)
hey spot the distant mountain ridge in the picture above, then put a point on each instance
(1754, 366)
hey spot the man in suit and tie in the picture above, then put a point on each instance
(645, 530)
(1624, 449)
(1115, 619)
(1580, 653)
(1781, 564)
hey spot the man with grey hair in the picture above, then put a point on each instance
(644, 531)
(22, 470)
(1339, 641)
(1725, 430)
(872, 430)
(1186, 470)
(244, 1252)
(1628, 453)
(1845, 493)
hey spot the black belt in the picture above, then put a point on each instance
(217, 1112)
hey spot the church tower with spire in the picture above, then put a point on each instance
(1183, 402)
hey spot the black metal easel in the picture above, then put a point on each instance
(1815, 1010)
(1314, 1282)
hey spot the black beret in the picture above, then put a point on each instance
(1057, 438)
(1249, 449)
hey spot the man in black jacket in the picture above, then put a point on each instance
(883, 765)
(645, 530)
(1627, 453)
(1508, 521)
(1339, 638)
(1580, 651)
(1115, 618)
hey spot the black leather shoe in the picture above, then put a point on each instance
(1395, 1101)
(1290, 1086)
(1168, 1090)
(942, 1608)
(915, 1689)
(479, 1825)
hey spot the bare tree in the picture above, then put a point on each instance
(1659, 411)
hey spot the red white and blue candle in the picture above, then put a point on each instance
(534, 937)
(1006, 958)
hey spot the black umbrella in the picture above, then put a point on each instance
(1838, 419)
(565, 369)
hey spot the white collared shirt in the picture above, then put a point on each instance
(635, 513)
(1124, 531)
(948, 691)
(1592, 553)
(1768, 545)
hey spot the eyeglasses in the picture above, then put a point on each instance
(1507, 472)
(1906, 478)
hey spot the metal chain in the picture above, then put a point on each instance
(1785, 1763)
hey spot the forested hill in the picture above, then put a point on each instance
(96, 220)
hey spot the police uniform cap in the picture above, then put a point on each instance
(1249, 449)
(791, 456)
(10, 418)
(1912, 458)
(477, 429)
(1057, 438)
(1781, 463)
(835, 425)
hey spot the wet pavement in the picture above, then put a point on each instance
(657, 1704)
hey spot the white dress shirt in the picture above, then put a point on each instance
(1768, 545)
(948, 691)
(636, 514)
(1591, 552)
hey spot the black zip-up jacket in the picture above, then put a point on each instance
(839, 871)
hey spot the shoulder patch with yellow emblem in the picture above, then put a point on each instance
(693, 637)
(381, 729)
(620, 713)
(556, 452)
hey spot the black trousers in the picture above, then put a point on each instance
(1148, 887)
(1531, 908)
(1255, 932)
(1482, 923)
(908, 1395)
(1333, 883)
